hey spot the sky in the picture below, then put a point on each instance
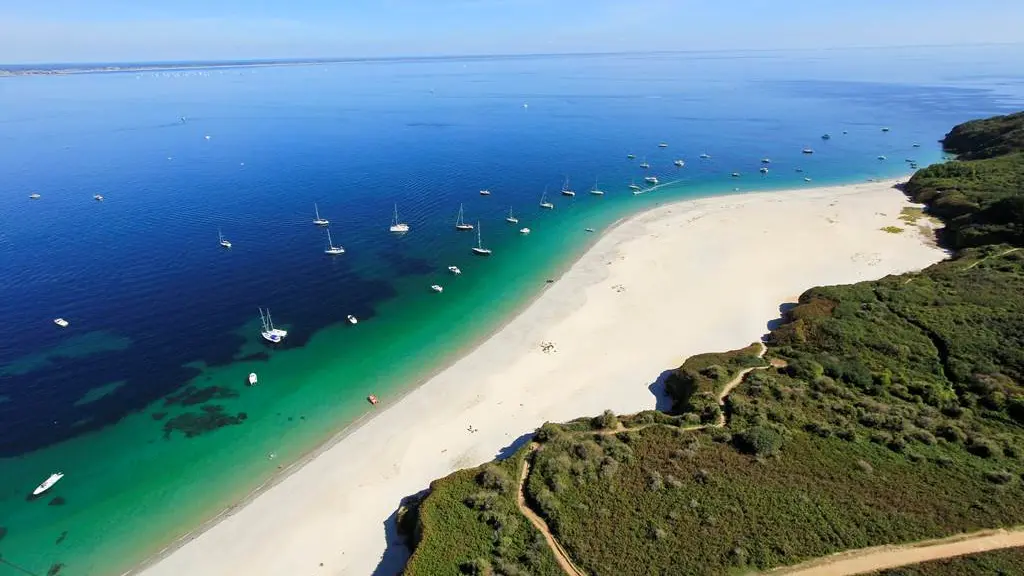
(49, 31)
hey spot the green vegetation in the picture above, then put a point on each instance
(470, 524)
(891, 411)
(996, 563)
(892, 229)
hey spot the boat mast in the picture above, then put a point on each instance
(479, 241)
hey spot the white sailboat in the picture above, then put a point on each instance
(510, 218)
(544, 201)
(633, 186)
(223, 241)
(565, 188)
(595, 190)
(396, 226)
(460, 224)
(48, 483)
(644, 164)
(479, 248)
(318, 220)
(269, 333)
(705, 156)
(651, 180)
(331, 248)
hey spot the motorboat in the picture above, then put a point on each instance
(588, 229)
(61, 322)
(317, 219)
(766, 160)
(460, 224)
(97, 197)
(269, 333)
(479, 249)
(826, 136)
(881, 157)
(807, 151)
(799, 169)
(663, 145)
(485, 192)
(631, 156)
(437, 288)
(679, 163)
(524, 231)
(454, 270)
(764, 170)
(352, 319)
(735, 174)
(34, 196)
(807, 179)
(705, 156)
(396, 226)
(252, 379)
(916, 145)
(651, 180)
(885, 129)
(331, 248)
(48, 483)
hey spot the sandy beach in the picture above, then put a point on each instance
(690, 277)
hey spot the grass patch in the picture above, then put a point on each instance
(893, 229)
(911, 214)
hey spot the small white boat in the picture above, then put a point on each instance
(454, 270)
(331, 248)
(766, 160)
(61, 322)
(845, 132)
(48, 483)
(885, 129)
(544, 201)
(352, 319)
(705, 156)
(479, 249)
(485, 192)
(631, 156)
(269, 333)
(396, 226)
(510, 218)
(807, 179)
(663, 145)
(633, 186)
(588, 229)
(764, 170)
(651, 180)
(679, 163)
(916, 145)
(460, 224)
(34, 196)
(207, 137)
(437, 288)
(881, 157)
(565, 189)
(735, 175)
(807, 151)
(223, 241)
(97, 197)
(799, 169)
(524, 231)
(826, 136)
(252, 379)
(318, 220)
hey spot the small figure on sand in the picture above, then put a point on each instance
(547, 347)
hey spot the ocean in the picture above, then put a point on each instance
(142, 400)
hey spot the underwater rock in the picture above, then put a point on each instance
(192, 395)
(63, 535)
(159, 415)
(58, 501)
(210, 418)
(55, 569)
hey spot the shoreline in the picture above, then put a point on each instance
(406, 401)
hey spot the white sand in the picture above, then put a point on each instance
(691, 277)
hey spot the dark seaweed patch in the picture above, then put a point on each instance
(192, 395)
(55, 569)
(58, 501)
(63, 536)
(210, 418)
(159, 415)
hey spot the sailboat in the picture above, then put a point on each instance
(544, 201)
(479, 248)
(705, 156)
(595, 190)
(397, 226)
(633, 186)
(269, 333)
(644, 164)
(223, 241)
(510, 218)
(460, 224)
(331, 248)
(318, 220)
(565, 188)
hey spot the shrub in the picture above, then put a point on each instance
(483, 500)
(476, 567)
(759, 441)
(548, 432)
(982, 447)
(864, 466)
(494, 478)
(606, 421)
(999, 476)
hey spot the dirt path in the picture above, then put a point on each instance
(560, 554)
(563, 558)
(868, 560)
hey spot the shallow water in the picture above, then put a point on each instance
(142, 400)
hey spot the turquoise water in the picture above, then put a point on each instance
(156, 307)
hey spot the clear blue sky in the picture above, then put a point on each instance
(141, 30)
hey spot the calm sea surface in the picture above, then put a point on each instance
(142, 401)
